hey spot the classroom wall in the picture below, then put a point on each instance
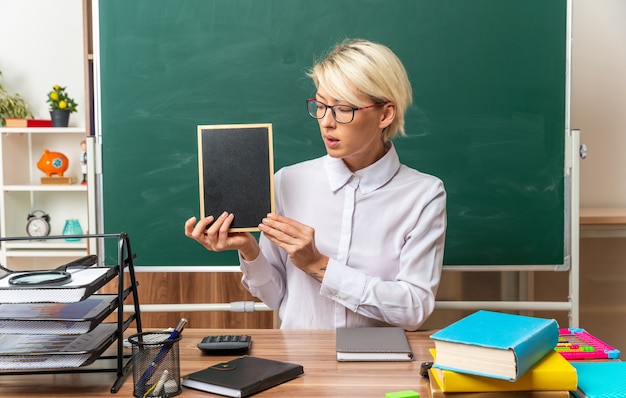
(599, 99)
(41, 44)
(599, 111)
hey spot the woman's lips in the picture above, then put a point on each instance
(331, 142)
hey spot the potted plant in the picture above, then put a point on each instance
(12, 106)
(61, 105)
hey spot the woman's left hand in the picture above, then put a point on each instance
(298, 240)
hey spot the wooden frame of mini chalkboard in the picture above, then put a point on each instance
(236, 173)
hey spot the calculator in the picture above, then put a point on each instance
(225, 344)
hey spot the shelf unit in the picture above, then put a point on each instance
(122, 362)
(21, 192)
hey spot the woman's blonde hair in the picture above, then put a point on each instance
(360, 66)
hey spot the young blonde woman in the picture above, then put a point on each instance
(357, 238)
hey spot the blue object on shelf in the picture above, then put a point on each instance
(72, 227)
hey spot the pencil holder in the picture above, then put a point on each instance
(156, 364)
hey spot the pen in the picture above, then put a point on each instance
(159, 357)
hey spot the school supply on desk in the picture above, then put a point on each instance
(39, 278)
(437, 392)
(44, 351)
(551, 373)
(155, 390)
(83, 283)
(403, 394)
(600, 379)
(372, 344)
(577, 343)
(156, 362)
(494, 344)
(236, 344)
(243, 376)
(56, 318)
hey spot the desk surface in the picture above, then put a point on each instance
(313, 349)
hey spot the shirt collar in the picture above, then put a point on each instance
(370, 178)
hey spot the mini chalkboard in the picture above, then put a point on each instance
(236, 173)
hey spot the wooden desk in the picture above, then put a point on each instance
(313, 349)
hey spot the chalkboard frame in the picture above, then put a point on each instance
(236, 173)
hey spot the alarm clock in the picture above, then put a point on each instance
(38, 225)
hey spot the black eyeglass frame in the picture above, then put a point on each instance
(332, 109)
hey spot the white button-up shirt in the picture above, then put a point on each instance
(383, 228)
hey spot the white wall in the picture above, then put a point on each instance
(599, 99)
(41, 44)
(599, 111)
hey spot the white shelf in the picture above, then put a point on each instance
(45, 188)
(42, 130)
(46, 253)
(45, 245)
(21, 193)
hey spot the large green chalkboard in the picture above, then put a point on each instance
(489, 118)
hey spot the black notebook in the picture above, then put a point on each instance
(373, 344)
(242, 376)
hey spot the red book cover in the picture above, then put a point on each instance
(28, 122)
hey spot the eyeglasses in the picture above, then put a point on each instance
(341, 113)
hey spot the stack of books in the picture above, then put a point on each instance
(13, 122)
(495, 354)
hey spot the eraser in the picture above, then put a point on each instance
(170, 387)
(403, 394)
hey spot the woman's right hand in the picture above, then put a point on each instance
(213, 234)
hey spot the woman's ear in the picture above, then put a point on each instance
(388, 115)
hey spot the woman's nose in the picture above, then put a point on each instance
(328, 119)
